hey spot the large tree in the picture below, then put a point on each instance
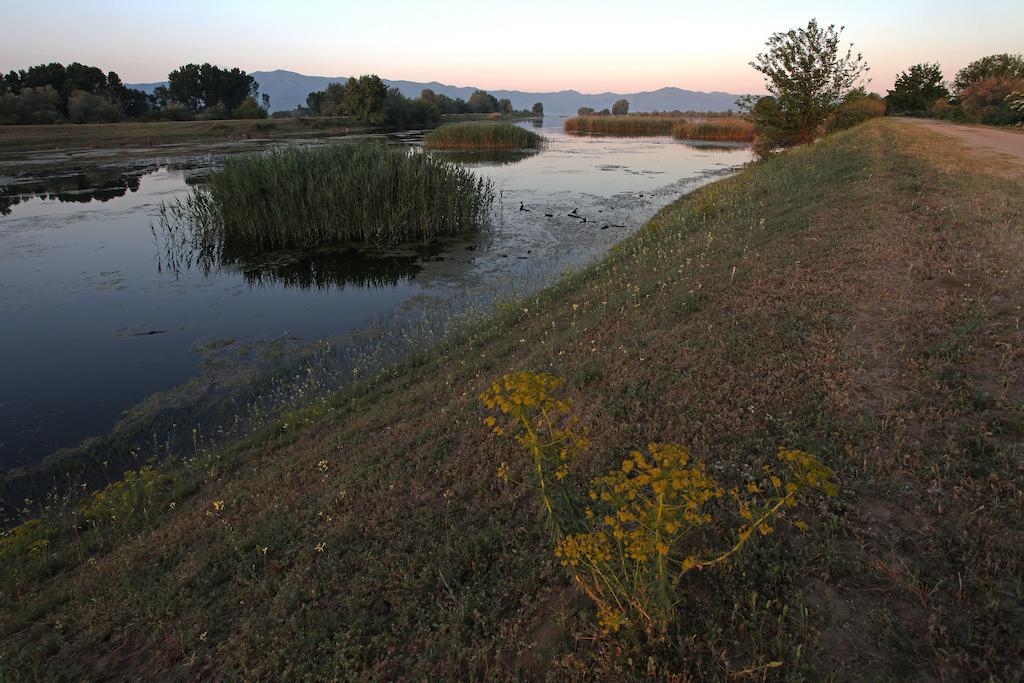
(621, 107)
(481, 102)
(200, 86)
(366, 99)
(1004, 66)
(917, 88)
(809, 74)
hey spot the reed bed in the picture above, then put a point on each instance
(482, 136)
(715, 130)
(626, 126)
(340, 194)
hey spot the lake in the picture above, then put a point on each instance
(104, 320)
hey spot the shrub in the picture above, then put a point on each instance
(480, 136)
(1015, 101)
(646, 524)
(135, 496)
(249, 109)
(31, 537)
(855, 110)
(31, 106)
(84, 107)
(985, 101)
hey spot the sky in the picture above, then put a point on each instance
(530, 45)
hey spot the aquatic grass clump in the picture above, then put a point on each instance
(482, 136)
(333, 195)
(733, 129)
(628, 126)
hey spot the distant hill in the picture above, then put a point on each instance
(288, 90)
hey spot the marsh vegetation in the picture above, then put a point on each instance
(482, 136)
(334, 195)
(726, 129)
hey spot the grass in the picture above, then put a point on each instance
(800, 303)
(715, 130)
(482, 136)
(337, 194)
(627, 126)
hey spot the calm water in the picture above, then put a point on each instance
(94, 320)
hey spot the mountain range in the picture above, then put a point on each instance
(288, 90)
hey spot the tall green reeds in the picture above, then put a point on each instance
(731, 129)
(482, 136)
(349, 193)
(627, 126)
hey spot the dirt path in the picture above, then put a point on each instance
(1007, 145)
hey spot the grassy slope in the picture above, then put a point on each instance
(859, 298)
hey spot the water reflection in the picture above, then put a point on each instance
(81, 186)
(500, 157)
(324, 269)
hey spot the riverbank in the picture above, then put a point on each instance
(32, 147)
(856, 298)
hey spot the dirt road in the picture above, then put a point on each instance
(1007, 145)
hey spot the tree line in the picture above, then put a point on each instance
(77, 93)
(816, 86)
(369, 100)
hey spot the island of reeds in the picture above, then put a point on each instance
(627, 126)
(482, 136)
(332, 195)
(717, 129)
(725, 129)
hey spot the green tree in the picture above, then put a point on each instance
(366, 99)
(327, 102)
(808, 74)
(621, 107)
(84, 107)
(32, 105)
(200, 86)
(585, 111)
(1003, 66)
(480, 102)
(505, 106)
(917, 89)
(538, 109)
(249, 109)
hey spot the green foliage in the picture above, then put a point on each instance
(857, 108)
(538, 109)
(32, 105)
(198, 86)
(1003, 66)
(366, 98)
(28, 538)
(985, 101)
(249, 109)
(917, 89)
(650, 521)
(808, 75)
(349, 193)
(620, 108)
(482, 136)
(87, 108)
(1015, 101)
(33, 92)
(480, 102)
(136, 496)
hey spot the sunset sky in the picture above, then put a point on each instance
(527, 45)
